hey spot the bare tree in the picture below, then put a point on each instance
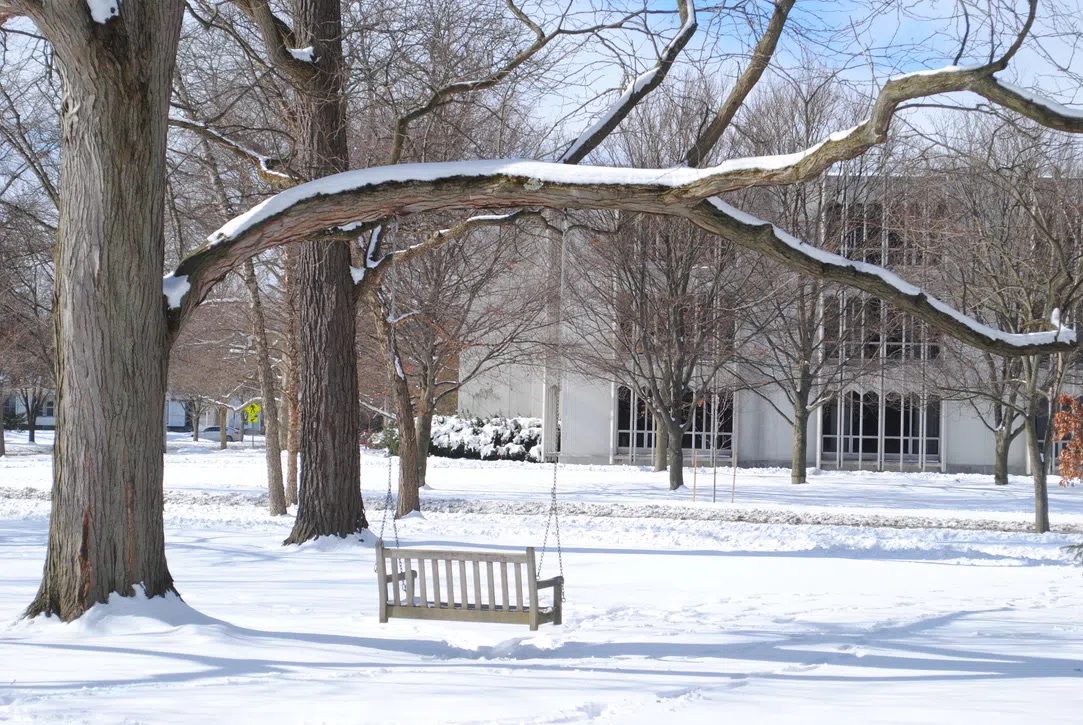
(1017, 262)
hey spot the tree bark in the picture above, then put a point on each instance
(330, 485)
(1039, 476)
(293, 379)
(32, 404)
(32, 421)
(1003, 444)
(423, 424)
(799, 465)
(275, 490)
(676, 457)
(223, 413)
(661, 445)
(3, 445)
(106, 530)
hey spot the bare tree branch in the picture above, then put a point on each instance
(636, 91)
(761, 58)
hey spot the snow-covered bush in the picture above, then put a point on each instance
(491, 439)
(487, 439)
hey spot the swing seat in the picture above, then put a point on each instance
(509, 581)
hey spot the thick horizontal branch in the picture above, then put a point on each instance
(849, 144)
(360, 196)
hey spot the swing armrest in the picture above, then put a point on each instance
(551, 582)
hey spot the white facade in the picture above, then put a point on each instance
(591, 430)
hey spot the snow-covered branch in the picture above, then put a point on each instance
(750, 232)
(278, 41)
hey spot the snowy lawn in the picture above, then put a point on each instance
(672, 615)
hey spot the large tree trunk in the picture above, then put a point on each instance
(1003, 443)
(275, 490)
(423, 425)
(3, 445)
(676, 457)
(106, 532)
(799, 465)
(661, 445)
(223, 413)
(1039, 475)
(330, 485)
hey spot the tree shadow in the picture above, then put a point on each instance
(883, 654)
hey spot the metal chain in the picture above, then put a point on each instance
(554, 520)
(389, 501)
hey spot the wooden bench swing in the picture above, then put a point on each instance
(409, 580)
(461, 596)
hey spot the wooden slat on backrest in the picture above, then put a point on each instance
(436, 583)
(450, 584)
(519, 586)
(462, 583)
(477, 584)
(395, 580)
(489, 578)
(424, 587)
(504, 585)
(495, 556)
(410, 582)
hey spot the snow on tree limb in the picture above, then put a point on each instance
(305, 210)
(278, 40)
(758, 235)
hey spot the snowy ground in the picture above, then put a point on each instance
(673, 614)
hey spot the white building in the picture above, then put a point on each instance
(891, 420)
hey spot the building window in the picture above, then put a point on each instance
(49, 409)
(853, 428)
(636, 422)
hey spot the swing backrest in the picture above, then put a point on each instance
(468, 586)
